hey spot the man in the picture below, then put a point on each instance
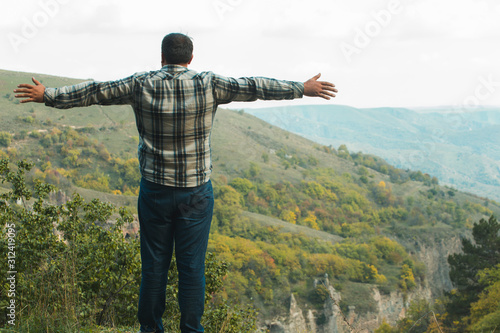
(174, 109)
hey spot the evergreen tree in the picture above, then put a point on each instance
(480, 253)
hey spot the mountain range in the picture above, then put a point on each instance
(461, 147)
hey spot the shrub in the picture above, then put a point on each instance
(5, 139)
(75, 269)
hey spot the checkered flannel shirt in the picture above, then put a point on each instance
(174, 109)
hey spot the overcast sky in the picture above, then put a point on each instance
(379, 53)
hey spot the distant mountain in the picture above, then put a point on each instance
(460, 147)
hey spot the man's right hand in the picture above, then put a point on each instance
(34, 93)
(315, 88)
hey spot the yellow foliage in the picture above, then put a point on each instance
(407, 280)
(46, 166)
(39, 173)
(384, 328)
(325, 262)
(55, 131)
(96, 181)
(288, 216)
(380, 279)
(311, 221)
(67, 173)
(317, 191)
(131, 191)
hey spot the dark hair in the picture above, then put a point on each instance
(177, 48)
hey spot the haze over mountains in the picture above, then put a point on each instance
(460, 147)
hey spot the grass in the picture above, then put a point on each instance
(263, 220)
(359, 295)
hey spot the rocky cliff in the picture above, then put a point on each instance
(434, 254)
(389, 307)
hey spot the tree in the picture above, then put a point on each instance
(265, 157)
(407, 279)
(289, 216)
(343, 152)
(242, 185)
(384, 328)
(254, 170)
(5, 139)
(311, 221)
(485, 313)
(417, 319)
(478, 254)
(227, 207)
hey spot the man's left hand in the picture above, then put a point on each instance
(34, 93)
(315, 88)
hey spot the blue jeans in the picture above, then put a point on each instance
(168, 217)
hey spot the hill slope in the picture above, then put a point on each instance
(460, 147)
(286, 208)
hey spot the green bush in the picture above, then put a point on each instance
(74, 269)
(5, 139)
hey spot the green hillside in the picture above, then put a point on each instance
(287, 209)
(459, 146)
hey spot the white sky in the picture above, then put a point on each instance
(418, 53)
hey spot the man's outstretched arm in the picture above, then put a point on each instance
(248, 89)
(82, 94)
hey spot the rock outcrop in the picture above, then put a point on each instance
(389, 307)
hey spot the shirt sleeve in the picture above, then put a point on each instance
(90, 93)
(249, 89)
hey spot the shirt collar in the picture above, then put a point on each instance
(174, 68)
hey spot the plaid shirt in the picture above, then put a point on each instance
(174, 109)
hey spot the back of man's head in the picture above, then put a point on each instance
(177, 49)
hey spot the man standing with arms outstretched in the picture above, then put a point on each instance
(174, 109)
